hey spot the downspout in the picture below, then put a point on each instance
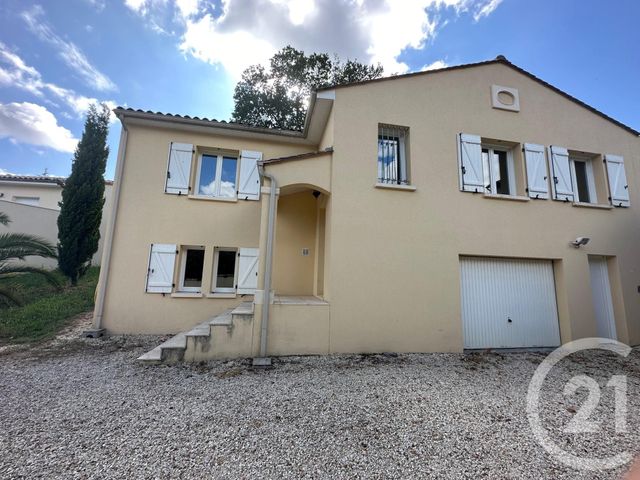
(263, 360)
(108, 241)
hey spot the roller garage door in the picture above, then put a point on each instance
(508, 303)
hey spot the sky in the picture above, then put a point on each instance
(185, 56)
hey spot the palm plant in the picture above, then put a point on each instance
(15, 247)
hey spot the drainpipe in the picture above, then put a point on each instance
(263, 360)
(97, 329)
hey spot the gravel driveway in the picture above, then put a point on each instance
(84, 409)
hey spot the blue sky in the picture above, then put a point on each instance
(185, 56)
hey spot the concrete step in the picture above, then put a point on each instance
(200, 337)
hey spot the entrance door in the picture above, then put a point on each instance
(601, 296)
(508, 303)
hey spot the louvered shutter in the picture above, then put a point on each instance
(618, 186)
(472, 176)
(537, 184)
(247, 270)
(162, 260)
(562, 182)
(249, 182)
(179, 169)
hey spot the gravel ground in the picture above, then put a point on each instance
(75, 408)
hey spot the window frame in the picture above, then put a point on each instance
(214, 276)
(30, 200)
(218, 179)
(402, 153)
(183, 265)
(591, 182)
(511, 173)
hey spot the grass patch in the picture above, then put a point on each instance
(46, 310)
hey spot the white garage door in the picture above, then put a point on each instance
(508, 303)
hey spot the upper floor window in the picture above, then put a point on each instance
(585, 186)
(392, 154)
(217, 176)
(486, 168)
(498, 170)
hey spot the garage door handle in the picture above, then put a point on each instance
(509, 320)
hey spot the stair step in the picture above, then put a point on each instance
(226, 319)
(152, 356)
(245, 308)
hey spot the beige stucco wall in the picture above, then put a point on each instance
(30, 218)
(48, 193)
(38, 221)
(147, 215)
(394, 266)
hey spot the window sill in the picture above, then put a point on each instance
(213, 199)
(592, 205)
(187, 295)
(513, 198)
(392, 186)
(221, 295)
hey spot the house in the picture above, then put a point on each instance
(32, 203)
(430, 212)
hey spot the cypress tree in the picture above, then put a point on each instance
(83, 197)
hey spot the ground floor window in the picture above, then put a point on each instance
(192, 263)
(224, 270)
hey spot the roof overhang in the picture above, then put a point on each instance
(315, 123)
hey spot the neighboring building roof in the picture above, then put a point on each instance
(501, 60)
(300, 156)
(32, 179)
(39, 179)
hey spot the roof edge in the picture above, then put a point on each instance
(501, 59)
(300, 156)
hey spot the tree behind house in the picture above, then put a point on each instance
(277, 96)
(83, 197)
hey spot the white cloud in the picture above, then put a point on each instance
(239, 33)
(30, 123)
(486, 9)
(435, 65)
(136, 5)
(68, 51)
(5, 172)
(14, 72)
(246, 33)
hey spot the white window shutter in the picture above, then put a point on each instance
(249, 182)
(618, 187)
(562, 181)
(537, 179)
(162, 260)
(247, 270)
(179, 169)
(472, 176)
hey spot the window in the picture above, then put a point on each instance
(217, 176)
(191, 269)
(584, 184)
(33, 201)
(224, 270)
(497, 167)
(392, 155)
